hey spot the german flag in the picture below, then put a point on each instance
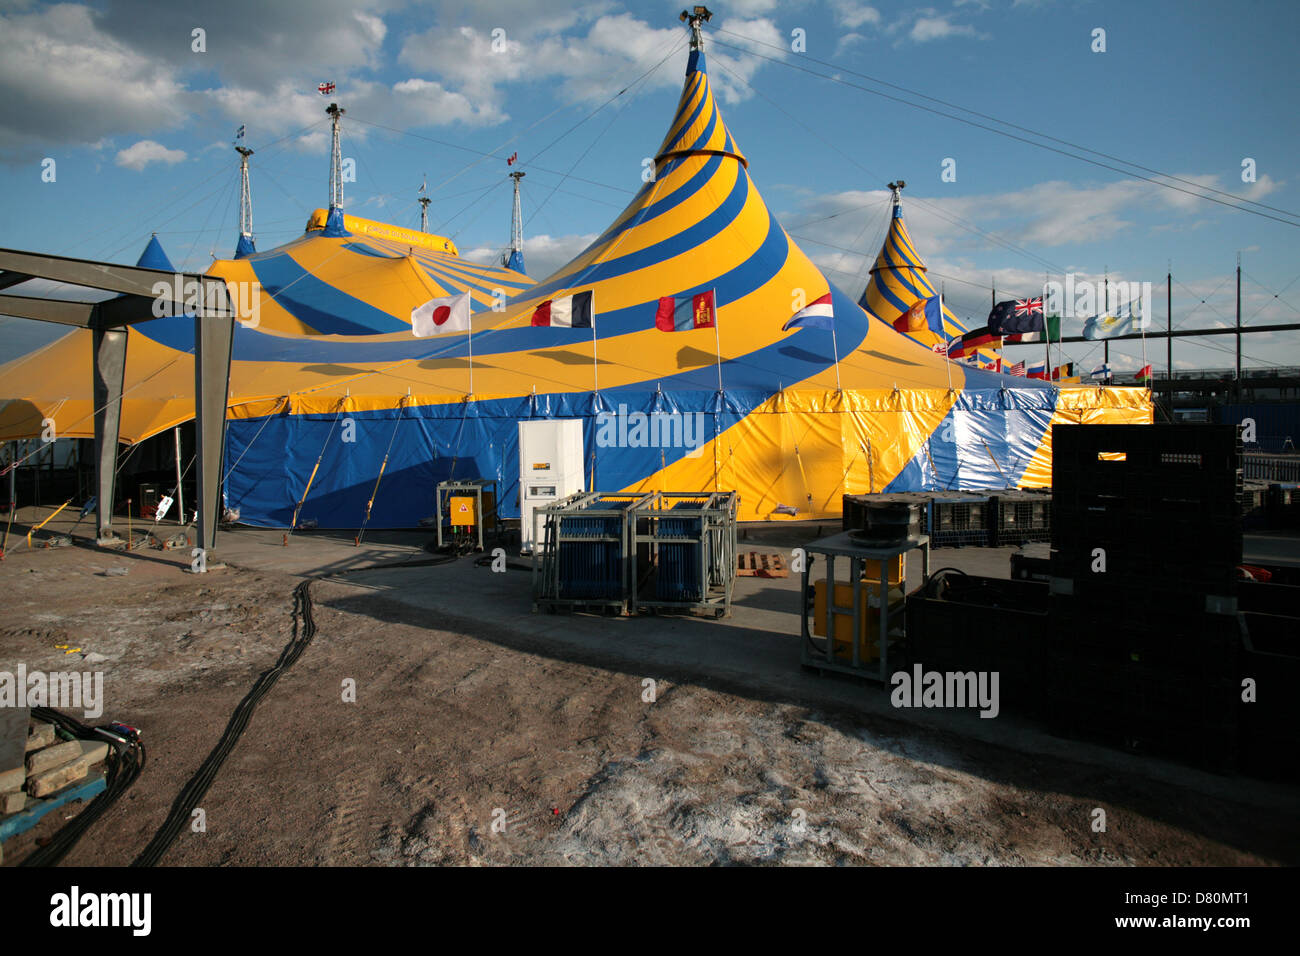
(972, 342)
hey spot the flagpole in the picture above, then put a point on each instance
(471, 357)
(595, 361)
(717, 344)
(835, 347)
(947, 362)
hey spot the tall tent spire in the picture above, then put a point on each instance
(515, 260)
(334, 227)
(244, 246)
(424, 206)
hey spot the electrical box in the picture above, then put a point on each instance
(463, 511)
(550, 468)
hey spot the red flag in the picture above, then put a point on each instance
(325, 88)
(1144, 372)
(510, 161)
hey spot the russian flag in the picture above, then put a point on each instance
(568, 312)
(681, 313)
(815, 315)
(1037, 370)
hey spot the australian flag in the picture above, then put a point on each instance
(1017, 315)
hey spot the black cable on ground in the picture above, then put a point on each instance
(123, 765)
(182, 809)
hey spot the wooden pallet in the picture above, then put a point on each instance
(761, 564)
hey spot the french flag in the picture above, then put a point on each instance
(567, 312)
(815, 315)
(681, 313)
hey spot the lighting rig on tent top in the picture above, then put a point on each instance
(699, 16)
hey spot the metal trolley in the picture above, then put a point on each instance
(586, 554)
(854, 661)
(691, 540)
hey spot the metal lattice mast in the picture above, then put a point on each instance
(517, 219)
(245, 194)
(424, 207)
(336, 158)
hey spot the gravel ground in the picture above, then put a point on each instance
(470, 744)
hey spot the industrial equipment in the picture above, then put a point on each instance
(691, 540)
(465, 510)
(586, 555)
(843, 610)
(550, 469)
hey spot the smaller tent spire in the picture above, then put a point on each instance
(698, 16)
(244, 246)
(515, 260)
(424, 206)
(336, 157)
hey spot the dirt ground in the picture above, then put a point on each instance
(476, 745)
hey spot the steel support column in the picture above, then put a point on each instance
(213, 338)
(109, 356)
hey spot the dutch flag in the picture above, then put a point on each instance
(815, 315)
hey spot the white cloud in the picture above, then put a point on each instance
(543, 253)
(851, 14)
(938, 28)
(147, 151)
(64, 82)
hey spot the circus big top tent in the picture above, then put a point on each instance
(790, 419)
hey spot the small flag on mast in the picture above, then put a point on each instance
(818, 314)
(510, 160)
(325, 89)
(239, 133)
(567, 312)
(681, 313)
(441, 315)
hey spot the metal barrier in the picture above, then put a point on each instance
(1271, 467)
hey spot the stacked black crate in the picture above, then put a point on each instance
(1146, 539)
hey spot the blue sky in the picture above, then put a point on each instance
(140, 126)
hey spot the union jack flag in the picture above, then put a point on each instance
(325, 89)
(1029, 306)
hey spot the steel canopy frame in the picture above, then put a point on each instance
(143, 294)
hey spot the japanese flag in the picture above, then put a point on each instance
(438, 316)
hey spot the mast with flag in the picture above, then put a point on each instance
(424, 205)
(334, 224)
(515, 259)
(244, 246)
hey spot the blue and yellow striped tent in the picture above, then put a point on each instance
(363, 282)
(784, 422)
(792, 420)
